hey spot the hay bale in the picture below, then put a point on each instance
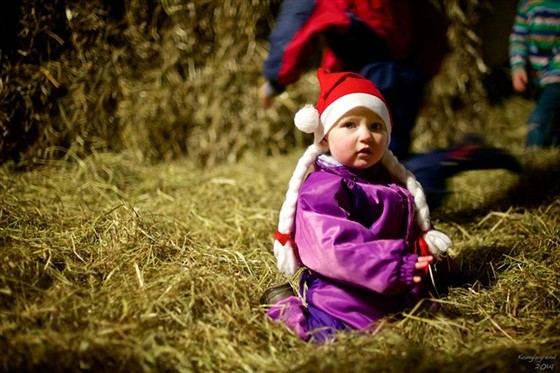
(58, 80)
(162, 79)
(456, 99)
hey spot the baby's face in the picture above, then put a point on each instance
(358, 139)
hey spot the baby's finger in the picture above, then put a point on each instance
(425, 259)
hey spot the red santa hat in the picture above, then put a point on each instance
(340, 93)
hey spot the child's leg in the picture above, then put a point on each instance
(555, 101)
(293, 313)
(544, 120)
(309, 322)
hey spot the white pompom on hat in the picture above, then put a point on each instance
(307, 119)
(340, 93)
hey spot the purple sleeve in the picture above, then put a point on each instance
(336, 247)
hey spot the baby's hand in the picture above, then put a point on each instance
(421, 267)
(266, 95)
(520, 80)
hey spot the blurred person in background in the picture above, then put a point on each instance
(397, 44)
(535, 67)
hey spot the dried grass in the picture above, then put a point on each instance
(114, 265)
(111, 263)
(162, 79)
(456, 98)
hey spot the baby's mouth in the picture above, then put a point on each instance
(364, 151)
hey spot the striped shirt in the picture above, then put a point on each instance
(535, 40)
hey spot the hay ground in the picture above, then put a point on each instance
(110, 264)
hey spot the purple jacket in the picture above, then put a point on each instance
(355, 231)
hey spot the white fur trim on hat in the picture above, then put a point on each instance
(307, 119)
(342, 105)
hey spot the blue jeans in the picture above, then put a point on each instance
(544, 121)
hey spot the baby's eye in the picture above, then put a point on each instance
(349, 125)
(376, 126)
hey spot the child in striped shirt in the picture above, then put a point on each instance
(535, 64)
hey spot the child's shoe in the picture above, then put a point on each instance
(471, 153)
(276, 294)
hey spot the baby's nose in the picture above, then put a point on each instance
(364, 133)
